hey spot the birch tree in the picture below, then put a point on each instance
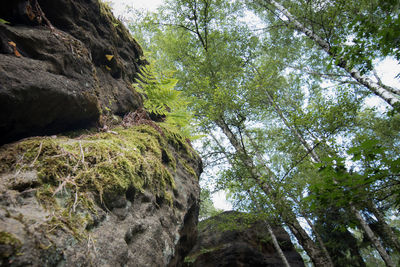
(214, 52)
(389, 94)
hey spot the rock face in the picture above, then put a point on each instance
(125, 195)
(62, 64)
(233, 239)
(124, 198)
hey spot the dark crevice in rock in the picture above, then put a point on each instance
(160, 201)
(130, 194)
(188, 236)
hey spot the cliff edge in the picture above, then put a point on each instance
(86, 177)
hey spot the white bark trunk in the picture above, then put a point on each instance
(269, 228)
(313, 251)
(316, 158)
(276, 244)
(390, 98)
(293, 129)
(373, 238)
(261, 160)
(391, 236)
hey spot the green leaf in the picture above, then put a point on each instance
(4, 21)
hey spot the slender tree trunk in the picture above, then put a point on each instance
(319, 239)
(389, 96)
(271, 232)
(373, 238)
(387, 230)
(268, 226)
(276, 244)
(316, 158)
(317, 236)
(293, 128)
(313, 251)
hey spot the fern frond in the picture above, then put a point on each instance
(161, 98)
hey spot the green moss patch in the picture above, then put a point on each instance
(10, 245)
(73, 173)
(193, 257)
(228, 221)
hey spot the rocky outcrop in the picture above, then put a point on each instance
(62, 64)
(236, 239)
(124, 198)
(125, 194)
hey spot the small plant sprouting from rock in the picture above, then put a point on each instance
(163, 101)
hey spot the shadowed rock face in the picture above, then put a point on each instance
(125, 197)
(61, 78)
(231, 239)
(102, 199)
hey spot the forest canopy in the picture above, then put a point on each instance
(279, 92)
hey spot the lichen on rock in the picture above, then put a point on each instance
(9, 245)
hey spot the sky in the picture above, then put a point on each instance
(387, 69)
(119, 6)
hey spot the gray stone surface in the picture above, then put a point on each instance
(60, 78)
(130, 228)
(233, 239)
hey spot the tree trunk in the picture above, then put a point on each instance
(269, 228)
(293, 129)
(276, 244)
(317, 236)
(387, 230)
(313, 251)
(373, 238)
(316, 158)
(391, 98)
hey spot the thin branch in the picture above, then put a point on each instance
(76, 200)
(83, 154)
(178, 26)
(299, 161)
(387, 87)
(38, 154)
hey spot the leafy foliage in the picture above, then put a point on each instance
(4, 21)
(207, 208)
(277, 113)
(162, 99)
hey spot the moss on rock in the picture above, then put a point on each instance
(9, 245)
(100, 166)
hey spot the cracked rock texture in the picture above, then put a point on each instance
(124, 197)
(62, 78)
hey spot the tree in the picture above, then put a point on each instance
(279, 130)
(207, 208)
(317, 27)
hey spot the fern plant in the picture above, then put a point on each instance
(2, 21)
(162, 99)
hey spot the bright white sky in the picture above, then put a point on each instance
(387, 69)
(119, 6)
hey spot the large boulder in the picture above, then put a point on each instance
(237, 239)
(123, 194)
(128, 197)
(62, 64)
